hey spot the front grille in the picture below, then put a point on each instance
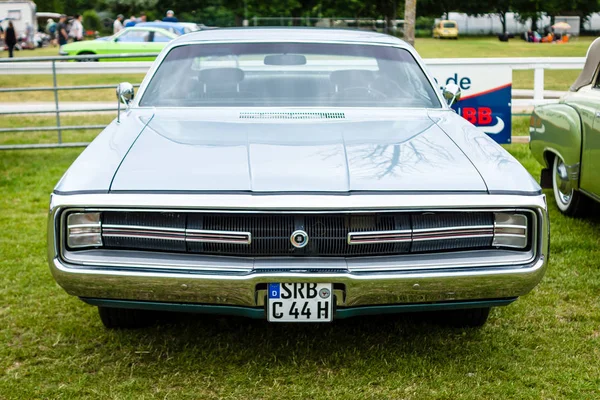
(268, 234)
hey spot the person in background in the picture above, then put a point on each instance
(51, 31)
(143, 17)
(29, 34)
(10, 38)
(76, 31)
(170, 17)
(63, 36)
(118, 24)
(130, 22)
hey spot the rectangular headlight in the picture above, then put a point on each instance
(84, 230)
(510, 230)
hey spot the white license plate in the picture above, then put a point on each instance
(300, 302)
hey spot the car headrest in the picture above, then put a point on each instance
(221, 76)
(352, 77)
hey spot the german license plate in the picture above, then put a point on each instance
(300, 302)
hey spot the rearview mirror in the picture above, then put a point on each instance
(285, 59)
(451, 93)
(125, 92)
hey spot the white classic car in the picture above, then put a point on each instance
(294, 175)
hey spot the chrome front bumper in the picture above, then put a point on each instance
(396, 284)
(351, 289)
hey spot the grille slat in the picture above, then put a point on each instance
(268, 234)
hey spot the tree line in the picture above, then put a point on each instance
(233, 12)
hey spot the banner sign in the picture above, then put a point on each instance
(486, 95)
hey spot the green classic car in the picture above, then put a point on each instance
(565, 139)
(129, 40)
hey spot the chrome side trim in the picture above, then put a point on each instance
(400, 236)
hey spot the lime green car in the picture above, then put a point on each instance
(129, 40)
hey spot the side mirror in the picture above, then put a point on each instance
(451, 93)
(125, 93)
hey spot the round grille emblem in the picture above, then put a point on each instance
(299, 239)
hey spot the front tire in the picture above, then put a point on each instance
(126, 318)
(87, 59)
(568, 200)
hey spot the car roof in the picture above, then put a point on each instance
(150, 28)
(161, 24)
(291, 34)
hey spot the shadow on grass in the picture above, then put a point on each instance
(351, 341)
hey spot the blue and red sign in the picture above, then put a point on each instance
(486, 96)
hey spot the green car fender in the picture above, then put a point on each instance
(555, 129)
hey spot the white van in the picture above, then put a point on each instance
(20, 13)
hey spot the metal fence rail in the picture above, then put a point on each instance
(64, 65)
(41, 65)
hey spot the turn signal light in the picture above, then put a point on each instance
(84, 230)
(510, 230)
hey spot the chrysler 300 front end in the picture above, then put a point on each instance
(297, 176)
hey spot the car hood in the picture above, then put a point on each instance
(221, 151)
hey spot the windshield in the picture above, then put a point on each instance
(449, 25)
(288, 75)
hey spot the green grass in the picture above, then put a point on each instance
(21, 81)
(520, 126)
(43, 52)
(83, 135)
(491, 47)
(544, 346)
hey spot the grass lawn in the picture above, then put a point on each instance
(84, 135)
(546, 345)
(491, 47)
(43, 52)
(18, 81)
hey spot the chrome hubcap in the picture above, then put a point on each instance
(563, 184)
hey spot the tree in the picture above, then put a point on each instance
(436, 8)
(498, 7)
(410, 16)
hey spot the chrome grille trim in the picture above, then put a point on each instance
(330, 235)
(207, 236)
(186, 235)
(401, 236)
(459, 232)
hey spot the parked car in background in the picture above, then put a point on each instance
(178, 28)
(129, 40)
(294, 175)
(445, 29)
(565, 139)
